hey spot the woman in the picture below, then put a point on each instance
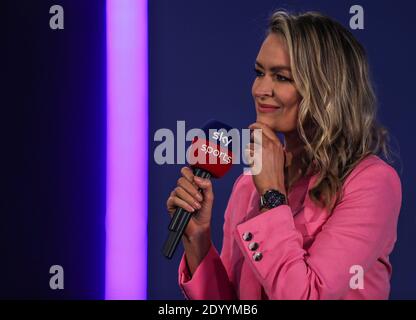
(332, 223)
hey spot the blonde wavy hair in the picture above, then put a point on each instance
(338, 113)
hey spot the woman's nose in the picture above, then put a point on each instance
(263, 89)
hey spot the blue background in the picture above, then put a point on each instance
(53, 126)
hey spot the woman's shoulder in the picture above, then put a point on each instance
(373, 165)
(372, 169)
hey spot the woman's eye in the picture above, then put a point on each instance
(258, 73)
(282, 78)
(277, 76)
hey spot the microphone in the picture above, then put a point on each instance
(208, 157)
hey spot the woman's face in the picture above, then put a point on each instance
(274, 92)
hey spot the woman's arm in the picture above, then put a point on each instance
(358, 231)
(196, 248)
(204, 275)
(209, 281)
(200, 260)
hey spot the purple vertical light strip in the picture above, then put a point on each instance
(127, 149)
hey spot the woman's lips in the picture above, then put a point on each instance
(266, 108)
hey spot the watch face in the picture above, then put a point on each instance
(274, 198)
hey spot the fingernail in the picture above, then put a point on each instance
(197, 205)
(197, 179)
(199, 196)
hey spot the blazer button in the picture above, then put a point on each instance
(247, 236)
(253, 246)
(257, 256)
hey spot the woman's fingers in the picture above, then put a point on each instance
(189, 188)
(251, 148)
(252, 153)
(249, 156)
(268, 133)
(188, 174)
(180, 198)
(256, 136)
(187, 193)
(206, 186)
(185, 196)
(175, 202)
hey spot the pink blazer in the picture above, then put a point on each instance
(298, 251)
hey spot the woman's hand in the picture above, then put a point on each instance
(272, 160)
(187, 196)
(197, 236)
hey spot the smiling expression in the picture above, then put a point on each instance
(275, 95)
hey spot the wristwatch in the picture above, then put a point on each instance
(272, 199)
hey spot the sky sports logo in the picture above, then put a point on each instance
(222, 156)
(222, 137)
(211, 146)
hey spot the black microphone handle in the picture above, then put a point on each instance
(175, 236)
(179, 222)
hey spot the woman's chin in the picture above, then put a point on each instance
(275, 125)
(269, 122)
